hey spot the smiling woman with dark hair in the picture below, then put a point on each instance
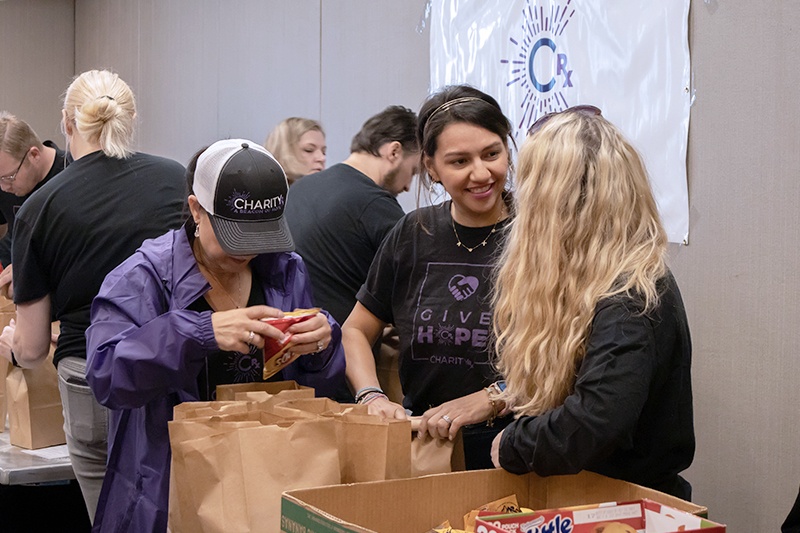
(431, 278)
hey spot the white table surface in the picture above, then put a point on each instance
(19, 466)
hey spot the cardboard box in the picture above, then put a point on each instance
(419, 504)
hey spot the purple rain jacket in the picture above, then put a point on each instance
(145, 351)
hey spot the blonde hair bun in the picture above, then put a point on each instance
(102, 108)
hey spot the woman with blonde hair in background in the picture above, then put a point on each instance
(592, 336)
(299, 146)
(72, 232)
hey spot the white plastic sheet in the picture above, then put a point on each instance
(627, 57)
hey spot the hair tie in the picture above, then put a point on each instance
(106, 96)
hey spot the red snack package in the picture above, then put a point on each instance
(276, 356)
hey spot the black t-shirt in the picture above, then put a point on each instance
(10, 203)
(438, 295)
(630, 413)
(83, 223)
(338, 219)
(225, 367)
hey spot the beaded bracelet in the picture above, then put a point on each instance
(492, 391)
(373, 396)
(365, 391)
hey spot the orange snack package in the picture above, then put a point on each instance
(276, 354)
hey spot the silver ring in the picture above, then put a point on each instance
(320, 346)
(447, 419)
(250, 338)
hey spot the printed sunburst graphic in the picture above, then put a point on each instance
(236, 195)
(544, 77)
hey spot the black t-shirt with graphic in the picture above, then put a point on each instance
(439, 297)
(226, 367)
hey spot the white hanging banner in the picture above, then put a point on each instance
(627, 57)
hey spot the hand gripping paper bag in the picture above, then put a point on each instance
(376, 449)
(371, 448)
(35, 416)
(436, 456)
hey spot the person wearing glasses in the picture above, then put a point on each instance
(26, 163)
(592, 336)
(70, 234)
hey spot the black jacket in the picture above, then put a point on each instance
(630, 416)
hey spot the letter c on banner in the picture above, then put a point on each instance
(541, 42)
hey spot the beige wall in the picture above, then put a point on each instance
(739, 275)
(37, 61)
(204, 70)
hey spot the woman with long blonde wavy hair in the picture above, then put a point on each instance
(591, 333)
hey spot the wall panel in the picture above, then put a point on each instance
(36, 62)
(372, 56)
(739, 275)
(206, 70)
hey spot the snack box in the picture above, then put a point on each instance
(417, 505)
(642, 516)
(276, 356)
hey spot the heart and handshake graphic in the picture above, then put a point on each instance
(463, 287)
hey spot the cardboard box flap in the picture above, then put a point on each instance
(588, 487)
(415, 505)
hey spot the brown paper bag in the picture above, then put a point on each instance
(436, 456)
(376, 448)
(231, 476)
(4, 366)
(319, 406)
(7, 312)
(211, 418)
(370, 448)
(228, 392)
(35, 416)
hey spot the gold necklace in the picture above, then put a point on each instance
(219, 286)
(483, 243)
(238, 290)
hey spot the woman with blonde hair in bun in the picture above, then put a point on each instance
(72, 232)
(591, 332)
(299, 146)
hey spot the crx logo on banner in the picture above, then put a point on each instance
(540, 68)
